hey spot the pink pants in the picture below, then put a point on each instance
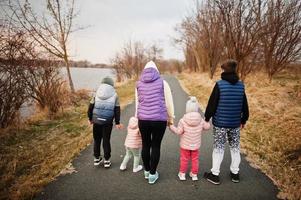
(185, 156)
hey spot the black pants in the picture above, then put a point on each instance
(152, 133)
(102, 132)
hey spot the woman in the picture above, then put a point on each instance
(155, 110)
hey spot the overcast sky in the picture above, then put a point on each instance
(113, 22)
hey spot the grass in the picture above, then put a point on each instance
(35, 153)
(271, 139)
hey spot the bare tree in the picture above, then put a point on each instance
(240, 31)
(118, 66)
(256, 33)
(139, 57)
(190, 38)
(26, 74)
(51, 29)
(281, 40)
(209, 21)
(13, 51)
(45, 84)
(129, 62)
(200, 35)
(190, 60)
(154, 52)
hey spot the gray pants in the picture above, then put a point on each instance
(129, 153)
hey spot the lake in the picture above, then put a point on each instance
(83, 78)
(88, 78)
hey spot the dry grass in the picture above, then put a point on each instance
(126, 92)
(271, 139)
(33, 154)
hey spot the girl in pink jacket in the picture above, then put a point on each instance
(190, 128)
(133, 144)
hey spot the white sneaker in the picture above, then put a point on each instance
(194, 177)
(122, 167)
(138, 168)
(182, 176)
(97, 161)
(107, 163)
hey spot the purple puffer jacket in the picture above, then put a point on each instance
(151, 100)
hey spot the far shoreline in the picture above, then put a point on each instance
(97, 67)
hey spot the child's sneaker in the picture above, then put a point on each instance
(182, 176)
(153, 178)
(193, 176)
(97, 161)
(138, 168)
(122, 167)
(107, 163)
(212, 178)
(234, 177)
(146, 174)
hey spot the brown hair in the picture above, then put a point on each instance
(229, 65)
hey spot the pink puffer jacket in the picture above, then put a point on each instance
(190, 128)
(133, 138)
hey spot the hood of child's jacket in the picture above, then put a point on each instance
(105, 91)
(149, 75)
(231, 77)
(192, 118)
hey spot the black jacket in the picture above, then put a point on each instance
(214, 98)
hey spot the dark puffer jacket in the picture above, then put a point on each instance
(228, 103)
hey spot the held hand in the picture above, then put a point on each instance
(90, 122)
(242, 126)
(206, 125)
(119, 126)
(170, 127)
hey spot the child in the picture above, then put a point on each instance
(103, 109)
(228, 106)
(133, 144)
(190, 128)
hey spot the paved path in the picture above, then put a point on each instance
(99, 183)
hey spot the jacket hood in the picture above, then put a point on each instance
(192, 118)
(231, 77)
(105, 91)
(149, 75)
(151, 64)
(133, 123)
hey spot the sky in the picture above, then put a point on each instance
(111, 23)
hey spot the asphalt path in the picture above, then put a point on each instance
(90, 182)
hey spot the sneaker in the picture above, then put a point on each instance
(153, 178)
(182, 176)
(212, 178)
(97, 161)
(234, 177)
(107, 163)
(138, 168)
(146, 174)
(122, 167)
(193, 176)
